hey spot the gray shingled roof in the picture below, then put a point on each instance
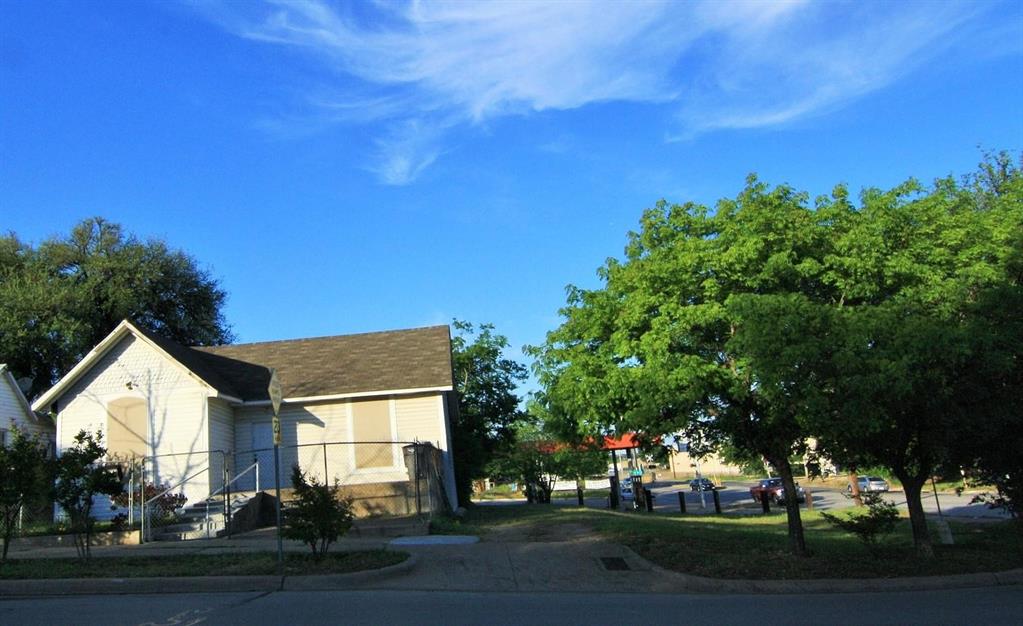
(399, 359)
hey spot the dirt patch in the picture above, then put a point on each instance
(541, 532)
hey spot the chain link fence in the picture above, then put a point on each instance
(383, 478)
(198, 494)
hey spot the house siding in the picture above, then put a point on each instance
(176, 407)
(221, 418)
(418, 417)
(12, 411)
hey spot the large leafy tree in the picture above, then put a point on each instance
(881, 329)
(488, 407)
(653, 350)
(61, 298)
(912, 359)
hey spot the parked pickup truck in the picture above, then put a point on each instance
(773, 490)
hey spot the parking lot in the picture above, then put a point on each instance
(735, 499)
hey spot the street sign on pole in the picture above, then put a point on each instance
(274, 390)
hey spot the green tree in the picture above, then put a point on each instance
(23, 477)
(879, 329)
(538, 460)
(880, 518)
(488, 406)
(59, 299)
(318, 515)
(79, 476)
(653, 351)
(913, 362)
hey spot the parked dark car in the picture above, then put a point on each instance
(702, 484)
(773, 490)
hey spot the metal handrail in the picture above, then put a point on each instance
(183, 481)
(236, 477)
(146, 503)
(226, 490)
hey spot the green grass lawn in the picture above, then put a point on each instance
(733, 546)
(587, 493)
(199, 565)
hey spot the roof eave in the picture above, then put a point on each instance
(354, 394)
(122, 329)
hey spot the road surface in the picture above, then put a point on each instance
(998, 605)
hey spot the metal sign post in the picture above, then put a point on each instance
(274, 389)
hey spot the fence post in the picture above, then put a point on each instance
(131, 493)
(809, 498)
(717, 501)
(227, 497)
(682, 502)
(416, 475)
(142, 503)
(255, 460)
(765, 502)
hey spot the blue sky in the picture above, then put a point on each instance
(365, 166)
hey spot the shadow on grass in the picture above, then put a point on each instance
(744, 546)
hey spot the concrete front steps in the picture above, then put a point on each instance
(194, 522)
(255, 509)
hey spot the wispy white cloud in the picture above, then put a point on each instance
(424, 67)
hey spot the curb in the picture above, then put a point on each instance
(689, 583)
(199, 584)
(327, 582)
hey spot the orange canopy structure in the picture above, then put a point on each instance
(626, 441)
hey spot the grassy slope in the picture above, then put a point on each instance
(757, 546)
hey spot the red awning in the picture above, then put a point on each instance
(626, 441)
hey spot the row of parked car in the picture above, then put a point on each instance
(771, 488)
(698, 484)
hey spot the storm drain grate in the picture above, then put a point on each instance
(614, 563)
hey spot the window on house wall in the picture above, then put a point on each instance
(127, 426)
(371, 422)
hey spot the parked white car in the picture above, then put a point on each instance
(871, 484)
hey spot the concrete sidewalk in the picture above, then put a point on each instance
(561, 558)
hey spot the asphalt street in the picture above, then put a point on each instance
(1002, 605)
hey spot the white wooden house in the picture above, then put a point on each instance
(15, 412)
(191, 410)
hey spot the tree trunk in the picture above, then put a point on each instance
(797, 542)
(912, 486)
(854, 488)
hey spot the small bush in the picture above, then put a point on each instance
(319, 515)
(163, 508)
(880, 519)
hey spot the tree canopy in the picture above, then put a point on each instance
(59, 299)
(488, 407)
(769, 320)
